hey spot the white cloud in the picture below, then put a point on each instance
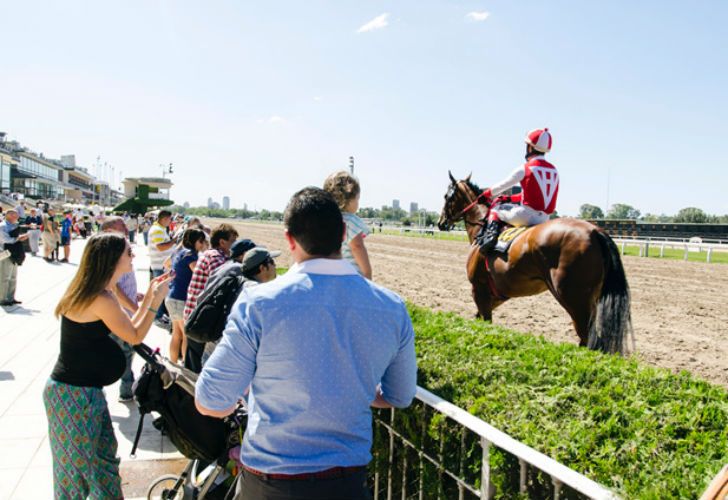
(318, 98)
(478, 17)
(379, 22)
(272, 119)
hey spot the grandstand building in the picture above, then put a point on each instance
(629, 228)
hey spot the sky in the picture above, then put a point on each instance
(254, 100)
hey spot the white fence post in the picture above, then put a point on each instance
(485, 470)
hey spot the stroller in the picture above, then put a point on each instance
(210, 443)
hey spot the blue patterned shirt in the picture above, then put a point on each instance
(313, 345)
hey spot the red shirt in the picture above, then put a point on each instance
(206, 265)
(540, 185)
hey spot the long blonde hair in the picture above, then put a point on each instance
(98, 264)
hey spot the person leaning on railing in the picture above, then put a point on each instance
(82, 439)
(318, 347)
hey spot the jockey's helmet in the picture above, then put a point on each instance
(540, 139)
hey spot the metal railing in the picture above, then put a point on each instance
(644, 246)
(438, 450)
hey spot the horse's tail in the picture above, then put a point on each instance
(612, 321)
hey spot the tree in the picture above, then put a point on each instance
(656, 218)
(691, 214)
(623, 211)
(587, 211)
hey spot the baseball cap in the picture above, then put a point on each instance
(240, 247)
(257, 256)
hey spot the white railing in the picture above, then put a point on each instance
(454, 469)
(645, 245)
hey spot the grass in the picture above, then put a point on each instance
(642, 431)
(677, 254)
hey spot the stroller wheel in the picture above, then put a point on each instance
(167, 487)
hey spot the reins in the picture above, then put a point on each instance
(468, 208)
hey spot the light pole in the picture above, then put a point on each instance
(166, 169)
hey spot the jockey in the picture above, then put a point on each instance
(539, 182)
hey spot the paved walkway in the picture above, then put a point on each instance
(30, 338)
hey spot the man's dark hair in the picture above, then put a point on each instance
(222, 232)
(314, 220)
(164, 213)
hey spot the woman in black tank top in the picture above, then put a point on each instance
(79, 426)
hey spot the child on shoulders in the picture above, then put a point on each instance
(345, 189)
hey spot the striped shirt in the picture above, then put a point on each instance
(157, 235)
(354, 227)
(206, 265)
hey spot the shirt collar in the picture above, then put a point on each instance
(336, 267)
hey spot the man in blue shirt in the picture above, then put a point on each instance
(66, 228)
(318, 347)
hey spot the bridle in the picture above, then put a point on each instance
(461, 215)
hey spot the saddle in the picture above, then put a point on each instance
(508, 236)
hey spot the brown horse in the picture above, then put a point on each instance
(574, 260)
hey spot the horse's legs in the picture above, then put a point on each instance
(578, 302)
(484, 303)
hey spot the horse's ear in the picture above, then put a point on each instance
(467, 179)
(451, 177)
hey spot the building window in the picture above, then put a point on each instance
(4, 176)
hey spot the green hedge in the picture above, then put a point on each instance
(641, 431)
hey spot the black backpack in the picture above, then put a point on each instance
(207, 320)
(195, 435)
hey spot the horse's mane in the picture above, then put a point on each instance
(476, 189)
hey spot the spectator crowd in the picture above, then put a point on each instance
(311, 351)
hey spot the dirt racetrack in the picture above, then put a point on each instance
(679, 309)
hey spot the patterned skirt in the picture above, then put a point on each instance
(82, 443)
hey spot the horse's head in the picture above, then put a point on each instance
(458, 196)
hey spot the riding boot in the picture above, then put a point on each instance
(488, 236)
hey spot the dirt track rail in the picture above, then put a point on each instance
(679, 309)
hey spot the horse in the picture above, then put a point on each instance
(574, 260)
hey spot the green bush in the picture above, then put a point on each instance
(642, 431)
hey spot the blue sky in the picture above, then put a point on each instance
(256, 99)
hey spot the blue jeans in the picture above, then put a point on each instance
(127, 379)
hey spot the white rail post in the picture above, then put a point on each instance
(391, 456)
(421, 495)
(647, 249)
(404, 473)
(461, 468)
(524, 475)
(485, 470)
(662, 250)
(623, 244)
(710, 254)
(557, 488)
(685, 257)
